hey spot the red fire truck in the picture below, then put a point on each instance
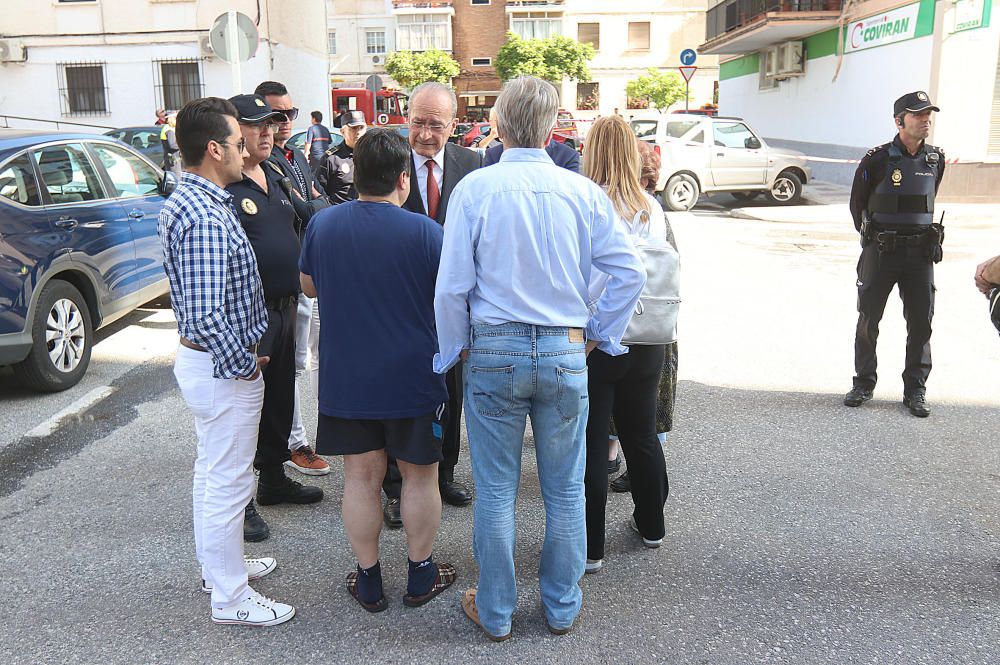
(387, 107)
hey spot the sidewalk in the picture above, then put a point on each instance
(826, 202)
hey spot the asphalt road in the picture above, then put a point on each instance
(798, 531)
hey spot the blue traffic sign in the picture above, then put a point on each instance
(688, 56)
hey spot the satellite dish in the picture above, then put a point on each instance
(243, 31)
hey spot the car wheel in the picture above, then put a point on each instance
(787, 189)
(62, 335)
(745, 196)
(681, 193)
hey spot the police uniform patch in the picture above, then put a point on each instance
(897, 177)
(258, 102)
(922, 96)
(345, 168)
(249, 207)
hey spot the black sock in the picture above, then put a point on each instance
(421, 576)
(370, 583)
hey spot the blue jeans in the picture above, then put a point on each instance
(515, 370)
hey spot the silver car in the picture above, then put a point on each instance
(701, 154)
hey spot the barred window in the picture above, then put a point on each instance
(83, 88)
(331, 42)
(177, 82)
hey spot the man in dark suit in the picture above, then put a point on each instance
(561, 154)
(437, 166)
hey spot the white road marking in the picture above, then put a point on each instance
(80, 405)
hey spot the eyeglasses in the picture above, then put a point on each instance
(435, 127)
(259, 126)
(240, 145)
(290, 114)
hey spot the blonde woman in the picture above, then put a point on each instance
(625, 386)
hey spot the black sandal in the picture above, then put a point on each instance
(446, 576)
(352, 588)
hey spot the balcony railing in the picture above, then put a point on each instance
(421, 4)
(732, 14)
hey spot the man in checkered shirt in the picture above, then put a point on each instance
(218, 301)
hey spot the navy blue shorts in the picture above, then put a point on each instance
(414, 440)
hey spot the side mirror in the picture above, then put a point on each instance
(752, 143)
(168, 183)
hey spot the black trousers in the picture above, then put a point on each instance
(392, 484)
(625, 387)
(913, 272)
(278, 343)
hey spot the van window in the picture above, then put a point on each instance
(643, 128)
(678, 128)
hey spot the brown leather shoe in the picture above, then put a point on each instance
(469, 607)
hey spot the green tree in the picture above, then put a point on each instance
(410, 68)
(552, 59)
(659, 89)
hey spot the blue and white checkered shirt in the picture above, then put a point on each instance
(215, 288)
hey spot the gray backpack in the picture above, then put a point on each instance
(654, 320)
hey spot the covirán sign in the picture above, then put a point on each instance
(894, 26)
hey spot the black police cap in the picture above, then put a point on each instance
(254, 108)
(913, 102)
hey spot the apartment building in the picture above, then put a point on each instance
(821, 76)
(360, 35)
(111, 63)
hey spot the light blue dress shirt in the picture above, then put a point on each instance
(520, 242)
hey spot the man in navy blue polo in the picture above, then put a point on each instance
(373, 267)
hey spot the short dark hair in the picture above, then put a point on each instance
(200, 121)
(317, 116)
(379, 157)
(271, 88)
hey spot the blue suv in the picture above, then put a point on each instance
(78, 247)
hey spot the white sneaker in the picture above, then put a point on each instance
(257, 610)
(652, 544)
(594, 565)
(256, 569)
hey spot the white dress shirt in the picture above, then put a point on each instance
(419, 163)
(522, 241)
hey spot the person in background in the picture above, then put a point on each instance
(317, 140)
(624, 386)
(306, 200)
(649, 176)
(523, 240)
(336, 170)
(168, 141)
(218, 301)
(372, 264)
(161, 117)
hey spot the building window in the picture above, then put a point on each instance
(589, 33)
(331, 42)
(588, 96)
(480, 2)
(535, 25)
(423, 32)
(83, 89)
(375, 42)
(638, 36)
(177, 82)
(482, 62)
(69, 1)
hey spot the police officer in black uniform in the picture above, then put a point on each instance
(336, 171)
(269, 219)
(892, 202)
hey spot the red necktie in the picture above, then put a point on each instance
(433, 193)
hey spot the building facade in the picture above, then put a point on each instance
(112, 63)
(819, 77)
(649, 33)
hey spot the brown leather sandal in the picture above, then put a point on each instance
(352, 588)
(446, 576)
(469, 607)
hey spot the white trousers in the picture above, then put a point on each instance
(306, 359)
(226, 420)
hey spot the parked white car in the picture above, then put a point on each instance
(704, 154)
